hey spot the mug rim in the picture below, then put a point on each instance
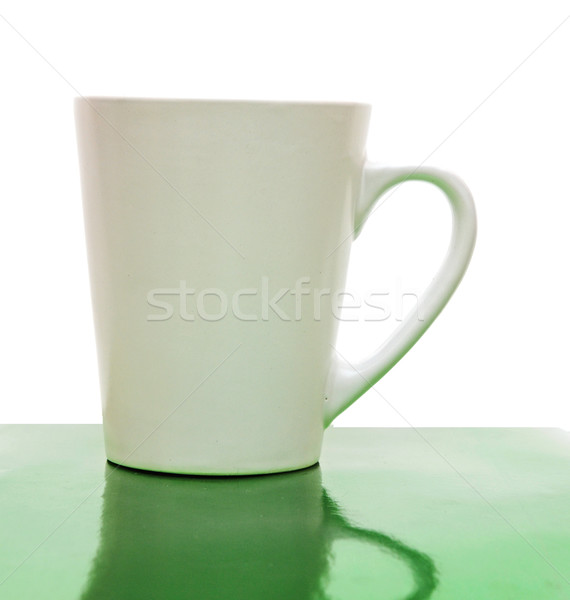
(224, 101)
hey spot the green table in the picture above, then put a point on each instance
(389, 513)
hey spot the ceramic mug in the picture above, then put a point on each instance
(218, 233)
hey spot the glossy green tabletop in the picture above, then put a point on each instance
(390, 513)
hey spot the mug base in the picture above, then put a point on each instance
(197, 472)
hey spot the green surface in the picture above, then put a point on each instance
(389, 513)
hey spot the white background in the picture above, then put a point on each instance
(478, 88)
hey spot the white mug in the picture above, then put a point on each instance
(218, 234)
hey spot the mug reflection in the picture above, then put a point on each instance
(271, 536)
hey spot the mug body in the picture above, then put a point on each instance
(218, 233)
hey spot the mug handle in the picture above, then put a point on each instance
(348, 382)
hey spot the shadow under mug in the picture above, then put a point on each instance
(251, 207)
